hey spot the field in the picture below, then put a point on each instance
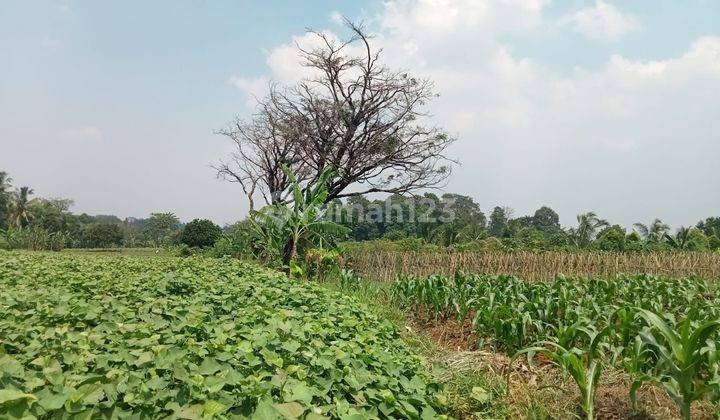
(107, 335)
(120, 337)
(533, 265)
(625, 347)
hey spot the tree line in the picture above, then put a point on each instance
(429, 220)
(36, 223)
(454, 220)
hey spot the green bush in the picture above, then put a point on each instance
(611, 238)
(714, 243)
(102, 235)
(697, 241)
(200, 233)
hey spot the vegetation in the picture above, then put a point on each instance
(192, 338)
(583, 365)
(686, 367)
(661, 329)
(200, 233)
(455, 221)
(383, 260)
(114, 337)
(426, 222)
(355, 116)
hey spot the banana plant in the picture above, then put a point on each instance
(583, 365)
(681, 369)
(282, 229)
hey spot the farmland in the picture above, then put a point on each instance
(531, 265)
(583, 325)
(92, 336)
(628, 339)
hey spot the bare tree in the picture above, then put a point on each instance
(355, 115)
(263, 145)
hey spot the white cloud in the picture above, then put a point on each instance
(336, 17)
(253, 87)
(632, 130)
(603, 22)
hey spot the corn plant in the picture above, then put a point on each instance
(584, 365)
(682, 367)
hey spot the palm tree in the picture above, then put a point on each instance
(654, 232)
(588, 225)
(471, 232)
(680, 239)
(20, 214)
(5, 181)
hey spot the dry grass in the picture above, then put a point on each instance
(385, 265)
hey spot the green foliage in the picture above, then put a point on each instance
(20, 208)
(286, 231)
(546, 219)
(102, 235)
(5, 197)
(33, 238)
(160, 227)
(102, 337)
(588, 226)
(498, 222)
(612, 238)
(561, 319)
(710, 226)
(683, 366)
(697, 241)
(714, 243)
(584, 365)
(200, 233)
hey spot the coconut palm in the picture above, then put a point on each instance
(588, 225)
(680, 239)
(20, 214)
(5, 181)
(653, 232)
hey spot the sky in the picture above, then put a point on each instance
(606, 106)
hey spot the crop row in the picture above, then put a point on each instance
(660, 330)
(532, 265)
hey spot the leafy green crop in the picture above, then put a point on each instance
(115, 337)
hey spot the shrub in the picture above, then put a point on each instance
(200, 233)
(714, 243)
(102, 235)
(611, 238)
(697, 241)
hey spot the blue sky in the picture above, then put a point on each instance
(580, 105)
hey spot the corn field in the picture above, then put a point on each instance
(386, 265)
(660, 330)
